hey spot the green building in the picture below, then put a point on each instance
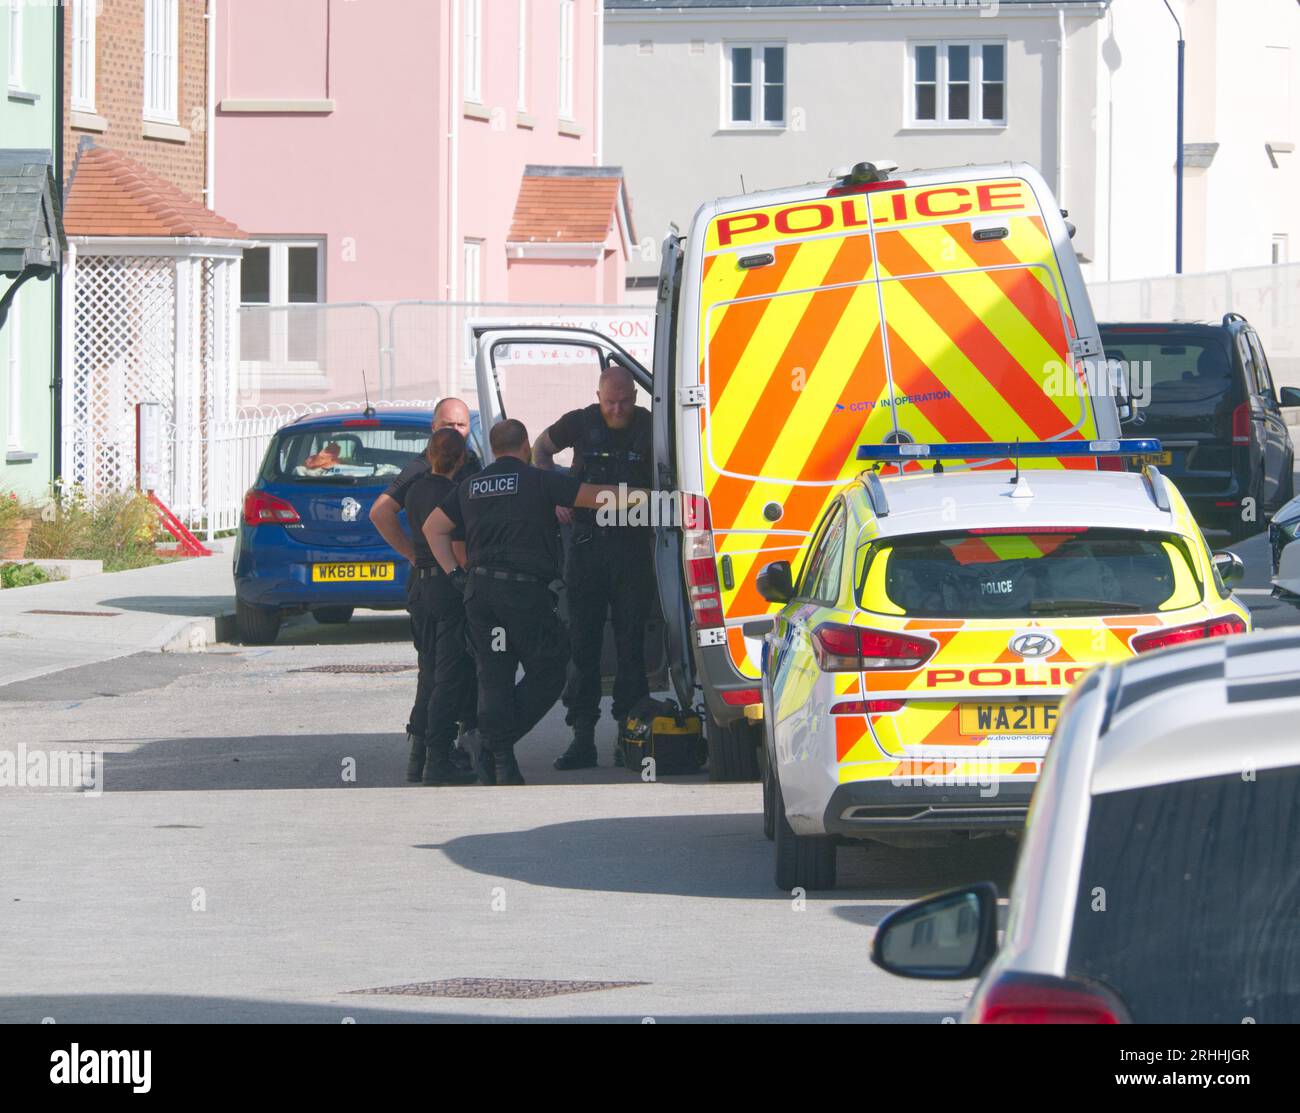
(31, 243)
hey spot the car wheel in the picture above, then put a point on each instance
(733, 752)
(802, 861)
(1238, 528)
(255, 625)
(333, 616)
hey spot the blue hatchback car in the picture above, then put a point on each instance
(306, 542)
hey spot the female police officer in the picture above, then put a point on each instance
(438, 621)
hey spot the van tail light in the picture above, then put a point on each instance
(865, 187)
(261, 509)
(1241, 424)
(742, 697)
(1110, 463)
(698, 560)
(857, 649)
(1181, 635)
(1043, 999)
(867, 706)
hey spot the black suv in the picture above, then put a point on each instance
(1212, 404)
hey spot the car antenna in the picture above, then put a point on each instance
(742, 184)
(370, 410)
(1015, 479)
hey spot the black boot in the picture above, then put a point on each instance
(439, 770)
(581, 753)
(508, 769)
(415, 763)
(486, 767)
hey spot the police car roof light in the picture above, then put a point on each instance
(993, 450)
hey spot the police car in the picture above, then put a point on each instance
(1155, 881)
(912, 678)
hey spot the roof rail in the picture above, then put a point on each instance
(876, 493)
(1231, 316)
(1157, 486)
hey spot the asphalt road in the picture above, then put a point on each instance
(256, 855)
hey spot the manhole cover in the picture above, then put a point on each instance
(363, 670)
(79, 614)
(502, 988)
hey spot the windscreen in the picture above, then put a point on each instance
(990, 574)
(344, 455)
(1178, 369)
(1189, 898)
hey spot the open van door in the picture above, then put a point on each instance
(537, 373)
(668, 535)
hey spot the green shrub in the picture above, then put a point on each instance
(120, 529)
(22, 575)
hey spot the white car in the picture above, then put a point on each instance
(1284, 540)
(1157, 878)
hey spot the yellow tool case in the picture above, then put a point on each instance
(662, 731)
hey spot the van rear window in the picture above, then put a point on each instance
(1178, 368)
(343, 455)
(1014, 575)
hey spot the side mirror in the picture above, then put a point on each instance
(1290, 396)
(775, 584)
(1230, 566)
(949, 936)
(1117, 375)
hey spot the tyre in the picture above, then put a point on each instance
(255, 625)
(333, 616)
(802, 861)
(1238, 528)
(769, 793)
(733, 752)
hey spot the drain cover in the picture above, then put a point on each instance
(79, 614)
(361, 670)
(501, 988)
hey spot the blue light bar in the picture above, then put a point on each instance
(1009, 450)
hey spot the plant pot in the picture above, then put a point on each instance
(13, 541)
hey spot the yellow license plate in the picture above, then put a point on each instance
(1160, 459)
(352, 573)
(979, 719)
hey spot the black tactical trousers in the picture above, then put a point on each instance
(445, 692)
(511, 624)
(609, 574)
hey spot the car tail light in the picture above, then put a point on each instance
(261, 509)
(1241, 424)
(1181, 635)
(1042, 999)
(742, 697)
(698, 559)
(867, 706)
(865, 187)
(857, 649)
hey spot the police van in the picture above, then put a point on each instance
(794, 326)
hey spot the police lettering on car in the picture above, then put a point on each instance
(450, 413)
(609, 571)
(512, 543)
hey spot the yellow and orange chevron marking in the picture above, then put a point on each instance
(799, 370)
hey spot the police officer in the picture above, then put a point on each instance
(513, 558)
(438, 617)
(450, 413)
(610, 567)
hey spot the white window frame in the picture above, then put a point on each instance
(1281, 251)
(13, 329)
(471, 270)
(161, 60)
(83, 55)
(521, 58)
(567, 28)
(758, 86)
(15, 45)
(942, 120)
(278, 288)
(473, 60)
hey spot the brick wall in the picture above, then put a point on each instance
(119, 92)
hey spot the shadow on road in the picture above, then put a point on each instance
(183, 606)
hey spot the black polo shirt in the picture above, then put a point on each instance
(419, 466)
(423, 497)
(508, 513)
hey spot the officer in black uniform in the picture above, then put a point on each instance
(610, 568)
(513, 558)
(450, 413)
(438, 617)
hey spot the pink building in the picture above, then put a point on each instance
(377, 151)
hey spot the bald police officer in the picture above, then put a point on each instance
(513, 560)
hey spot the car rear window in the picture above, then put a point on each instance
(1059, 572)
(1189, 898)
(344, 454)
(1178, 368)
